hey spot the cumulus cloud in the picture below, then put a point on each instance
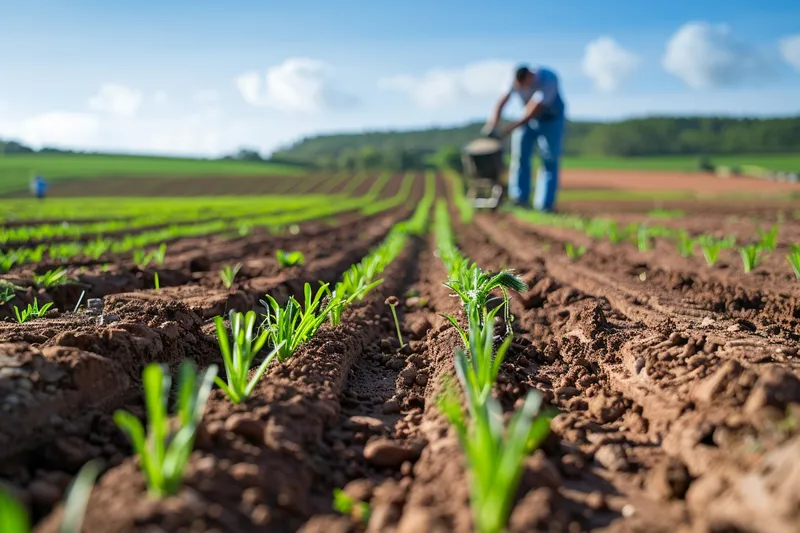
(707, 55)
(790, 50)
(117, 100)
(608, 64)
(443, 87)
(300, 85)
(57, 128)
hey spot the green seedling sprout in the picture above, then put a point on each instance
(684, 243)
(156, 281)
(348, 506)
(31, 311)
(14, 518)
(711, 248)
(163, 453)
(495, 454)
(291, 325)
(290, 259)
(574, 252)
(794, 259)
(769, 238)
(393, 302)
(643, 238)
(752, 256)
(228, 274)
(474, 286)
(51, 278)
(239, 360)
(6, 295)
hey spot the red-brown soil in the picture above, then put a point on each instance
(677, 387)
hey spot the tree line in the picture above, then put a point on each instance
(652, 136)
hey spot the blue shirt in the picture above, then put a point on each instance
(544, 89)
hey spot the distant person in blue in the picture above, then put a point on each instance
(38, 186)
(542, 122)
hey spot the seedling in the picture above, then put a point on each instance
(290, 326)
(685, 244)
(769, 238)
(643, 239)
(6, 295)
(31, 311)
(495, 454)
(14, 518)
(711, 248)
(228, 273)
(574, 252)
(142, 258)
(752, 256)
(393, 302)
(348, 506)
(239, 360)
(794, 259)
(163, 454)
(290, 259)
(473, 285)
(51, 278)
(155, 281)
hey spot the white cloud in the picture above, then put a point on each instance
(608, 64)
(443, 87)
(297, 85)
(790, 50)
(160, 98)
(117, 100)
(707, 55)
(206, 96)
(57, 128)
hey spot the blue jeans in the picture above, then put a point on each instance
(548, 135)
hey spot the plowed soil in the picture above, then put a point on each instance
(677, 387)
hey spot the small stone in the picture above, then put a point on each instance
(612, 456)
(707, 321)
(104, 320)
(413, 301)
(408, 375)
(364, 422)
(391, 407)
(386, 453)
(422, 378)
(567, 392)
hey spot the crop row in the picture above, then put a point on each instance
(164, 444)
(752, 253)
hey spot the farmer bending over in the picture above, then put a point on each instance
(542, 121)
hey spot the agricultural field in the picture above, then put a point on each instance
(365, 352)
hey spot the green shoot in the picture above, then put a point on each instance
(31, 311)
(643, 238)
(752, 256)
(392, 302)
(479, 370)
(6, 295)
(348, 506)
(290, 326)
(495, 454)
(473, 285)
(794, 259)
(228, 274)
(142, 258)
(574, 252)
(290, 259)
(51, 278)
(685, 244)
(155, 280)
(711, 248)
(14, 518)
(238, 362)
(163, 454)
(769, 238)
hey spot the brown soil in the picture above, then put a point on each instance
(677, 388)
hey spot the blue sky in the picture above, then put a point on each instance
(186, 78)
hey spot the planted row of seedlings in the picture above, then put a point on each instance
(164, 443)
(494, 450)
(752, 254)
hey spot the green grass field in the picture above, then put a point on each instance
(778, 162)
(17, 170)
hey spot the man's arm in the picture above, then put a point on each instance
(542, 98)
(532, 108)
(497, 113)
